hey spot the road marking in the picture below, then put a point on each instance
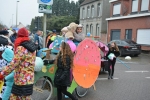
(147, 77)
(136, 71)
(127, 62)
(98, 79)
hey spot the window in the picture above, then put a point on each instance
(88, 12)
(99, 10)
(128, 34)
(134, 5)
(83, 13)
(91, 29)
(87, 29)
(116, 10)
(145, 5)
(92, 11)
(97, 30)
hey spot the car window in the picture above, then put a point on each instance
(124, 43)
(131, 42)
(117, 42)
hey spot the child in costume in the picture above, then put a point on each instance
(64, 62)
(7, 56)
(23, 66)
(78, 35)
(111, 56)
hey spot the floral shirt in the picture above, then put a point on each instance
(23, 63)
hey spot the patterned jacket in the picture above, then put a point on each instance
(23, 65)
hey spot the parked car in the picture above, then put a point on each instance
(127, 47)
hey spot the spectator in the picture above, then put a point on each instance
(36, 38)
(41, 40)
(23, 65)
(13, 36)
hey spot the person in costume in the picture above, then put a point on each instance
(112, 54)
(23, 64)
(7, 56)
(64, 62)
(78, 35)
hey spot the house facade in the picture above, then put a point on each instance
(92, 16)
(130, 19)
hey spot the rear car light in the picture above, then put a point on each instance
(126, 47)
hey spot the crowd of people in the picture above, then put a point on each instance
(17, 62)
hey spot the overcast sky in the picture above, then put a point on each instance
(27, 9)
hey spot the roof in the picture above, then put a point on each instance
(87, 2)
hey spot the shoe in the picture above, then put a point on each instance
(66, 96)
(108, 77)
(112, 77)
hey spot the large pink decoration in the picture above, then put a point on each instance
(87, 63)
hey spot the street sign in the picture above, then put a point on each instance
(43, 8)
(48, 2)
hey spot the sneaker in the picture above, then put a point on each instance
(66, 96)
(108, 77)
(112, 77)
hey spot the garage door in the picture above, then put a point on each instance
(143, 36)
(115, 35)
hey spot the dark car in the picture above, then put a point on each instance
(127, 47)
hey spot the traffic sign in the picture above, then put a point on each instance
(48, 2)
(43, 8)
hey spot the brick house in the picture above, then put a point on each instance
(92, 16)
(130, 19)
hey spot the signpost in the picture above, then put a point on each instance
(48, 2)
(45, 6)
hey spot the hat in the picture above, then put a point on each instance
(80, 26)
(8, 54)
(54, 31)
(23, 33)
(4, 32)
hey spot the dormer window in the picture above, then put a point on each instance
(134, 5)
(144, 5)
(116, 9)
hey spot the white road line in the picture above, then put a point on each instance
(127, 62)
(98, 79)
(136, 71)
(147, 77)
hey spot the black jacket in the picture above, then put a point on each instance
(29, 45)
(116, 53)
(3, 41)
(62, 75)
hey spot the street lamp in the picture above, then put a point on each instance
(16, 12)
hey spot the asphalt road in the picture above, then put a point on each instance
(128, 84)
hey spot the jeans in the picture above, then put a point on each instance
(112, 63)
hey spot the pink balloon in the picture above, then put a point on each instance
(51, 45)
(72, 45)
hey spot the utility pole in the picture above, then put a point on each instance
(16, 13)
(44, 29)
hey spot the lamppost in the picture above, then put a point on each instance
(16, 12)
